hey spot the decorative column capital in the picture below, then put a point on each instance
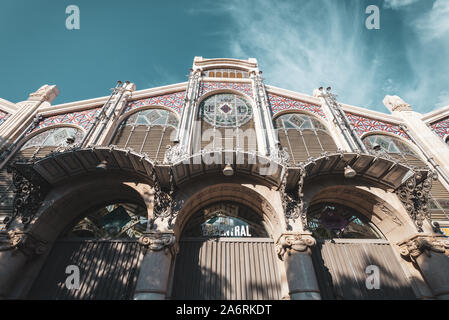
(289, 242)
(413, 247)
(159, 241)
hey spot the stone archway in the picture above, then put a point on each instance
(226, 267)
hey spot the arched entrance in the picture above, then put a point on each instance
(226, 252)
(352, 258)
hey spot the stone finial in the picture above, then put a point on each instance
(45, 93)
(317, 93)
(395, 103)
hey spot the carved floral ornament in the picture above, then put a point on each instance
(293, 242)
(395, 103)
(418, 245)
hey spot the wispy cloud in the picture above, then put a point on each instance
(435, 23)
(303, 47)
(395, 4)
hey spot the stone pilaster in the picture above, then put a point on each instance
(294, 250)
(154, 275)
(430, 254)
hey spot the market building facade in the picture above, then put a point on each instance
(222, 187)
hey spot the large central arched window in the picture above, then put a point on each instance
(331, 220)
(226, 219)
(148, 131)
(226, 123)
(402, 152)
(303, 136)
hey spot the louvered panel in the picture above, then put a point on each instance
(45, 151)
(413, 161)
(284, 143)
(326, 141)
(312, 143)
(25, 153)
(108, 270)
(439, 191)
(121, 136)
(207, 137)
(341, 270)
(227, 269)
(137, 138)
(166, 141)
(153, 141)
(297, 144)
(249, 137)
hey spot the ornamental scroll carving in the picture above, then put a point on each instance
(293, 242)
(165, 206)
(292, 200)
(158, 241)
(415, 195)
(395, 103)
(414, 247)
(27, 199)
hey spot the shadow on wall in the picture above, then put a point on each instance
(107, 270)
(343, 272)
(226, 270)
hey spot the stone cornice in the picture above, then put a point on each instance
(436, 115)
(225, 62)
(293, 95)
(7, 106)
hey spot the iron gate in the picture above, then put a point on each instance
(107, 270)
(227, 269)
(341, 268)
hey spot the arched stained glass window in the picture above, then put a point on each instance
(226, 123)
(148, 131)
(114, 221)
(225, 219)
(331, 220)
(303, 137)
(152, 117)
(226, 110)
(55, 137)
(389, 144)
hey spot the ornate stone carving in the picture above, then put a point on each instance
(174, 154)
(418, 245)
(158, 241)
(164, 202)
(292, 200)
(46, 93)
(415, 195)
(27, 199)
(294, 241)
(395, 103)
(23, 241)
(280, 155)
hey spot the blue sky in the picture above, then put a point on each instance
(300, 45)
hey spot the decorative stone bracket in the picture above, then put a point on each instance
(419, 244)
(23, 241)
(158, 241)
(415, 195)
(292, 201)
(289, 242)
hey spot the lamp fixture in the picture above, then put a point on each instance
(349, 172)
(103, 165)
(228, 171)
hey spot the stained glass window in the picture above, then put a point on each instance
(55, 137)
(331, 220)
(298, 121)
(115, 221)
(389, 144)
(152, 117)
(226, 110)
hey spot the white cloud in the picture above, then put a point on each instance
(303, 47)
(396, 4)
(435, 23)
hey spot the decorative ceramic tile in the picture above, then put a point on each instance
(441, 127)
(280, 103)
(3, 117)
(208, 86)
(84, 119)
(173, 100)
(362, 125)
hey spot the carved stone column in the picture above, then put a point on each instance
(430, 254)
(294, 250)
(152, 283)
